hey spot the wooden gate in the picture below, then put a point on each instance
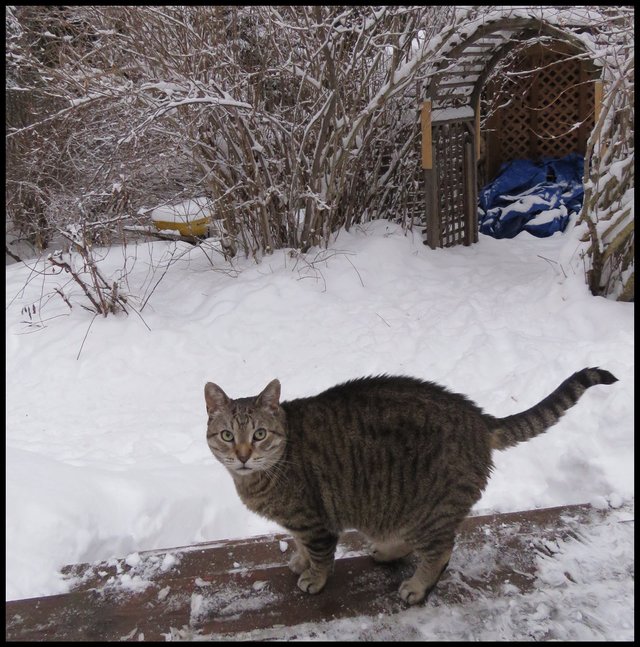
(450, 184)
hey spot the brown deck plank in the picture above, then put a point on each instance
(237, 586)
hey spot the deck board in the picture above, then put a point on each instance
(228, 587)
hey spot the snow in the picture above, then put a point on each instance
(580, 592)
(443, 114)
(545, 216)
(106, 449)
(183, 212)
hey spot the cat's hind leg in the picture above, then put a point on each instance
(432, 562)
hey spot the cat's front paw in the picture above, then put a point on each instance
(312, 581)
(298, 563)
(412, 591)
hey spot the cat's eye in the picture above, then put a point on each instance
(226, 435)
(260, 434)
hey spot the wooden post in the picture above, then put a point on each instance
(597, 91)
(425, 122)
(431, 207)
(432, 219)
(471, 198)
(478, 128)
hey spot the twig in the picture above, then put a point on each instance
(192, 240)
(64, 297)
(550, 260)
(65, 266)
(10, 253)
(171, 261)
(141, 318)
(358, 273)
(544, 258)
(85, 335)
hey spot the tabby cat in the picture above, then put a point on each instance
(399, 459)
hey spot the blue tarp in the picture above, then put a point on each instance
(538, 197)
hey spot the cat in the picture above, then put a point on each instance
(400, 459)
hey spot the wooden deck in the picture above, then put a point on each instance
(229, 587)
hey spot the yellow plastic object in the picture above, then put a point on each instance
(189, 217)
(192, 228)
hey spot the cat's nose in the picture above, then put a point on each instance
(243, 452)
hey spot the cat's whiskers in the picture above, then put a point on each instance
(277, 470)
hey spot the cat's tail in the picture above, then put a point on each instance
(515, 429)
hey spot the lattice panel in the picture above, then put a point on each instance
(448, 139)
(514, 133)
(557, 107)
(538, 112)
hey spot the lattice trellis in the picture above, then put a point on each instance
(545, 113)
(450, 194)
(448, 141)
(511, 88)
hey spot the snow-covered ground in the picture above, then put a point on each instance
(106, 450)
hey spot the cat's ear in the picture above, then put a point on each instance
(215, 397)
(270, 397)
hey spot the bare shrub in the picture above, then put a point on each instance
(293, 120)
(608, 210)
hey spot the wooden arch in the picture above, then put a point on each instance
(450, 117)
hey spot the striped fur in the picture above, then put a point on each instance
(520, 427)
(400, 459)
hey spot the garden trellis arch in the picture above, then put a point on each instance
(536, 124)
